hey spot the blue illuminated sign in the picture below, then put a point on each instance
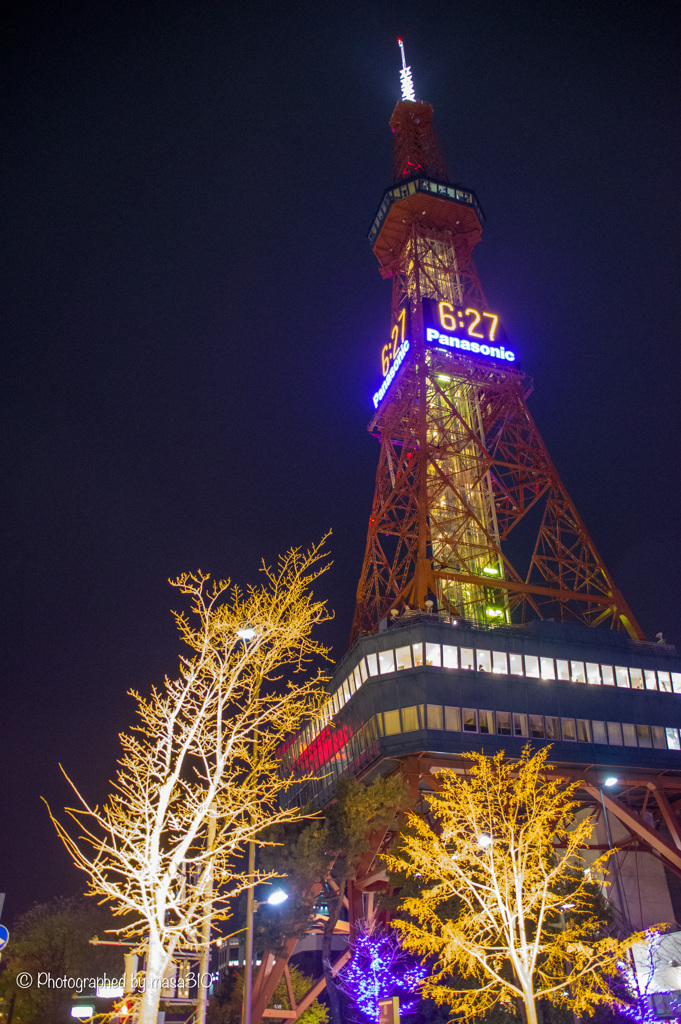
(390, 376)
(477, 333)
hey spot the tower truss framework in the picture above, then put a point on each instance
(468, 510)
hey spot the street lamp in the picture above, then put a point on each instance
(484, 841)
(608, 783)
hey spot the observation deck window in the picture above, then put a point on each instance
(450, 656)
(433, 657)
(562, 669)
(403, 658)
(372, 664)
(608, 675)
(531, 666)
(676, 681)
(386, 662)
(453, 719)
(499, 663)
(418, 655)
(577, 671)
(364, 675)
(548, 670)
(484, 659)
(651, 679)
(516, 664)
(593, 673)
(664, 681)
(622, 675)
(467, 658)
(636, 678)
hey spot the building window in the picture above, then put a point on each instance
(452, 719)
(651, 679)
(372, 664)
(386, 661)
(450, 657)
(629, 734)
(615, 734)
(418, 655)
(664, 681)
(676, 681)
(593, 673)
(499, 663)
(484, 661)
(577, 672)
(608, 675)
(548, 670)
(363, 671)
(433, 655)
(434, 716)
(467, 658)
(659, 738)
(410, 719)
(403, 658)
(531, 666)
(622, 675)
(552, 728)
(643, 733)
(520, 725)
(516, 662)
(673, 739)
(599, 733)
(503, 723)
(636, 678)
(562, 669)
(569, 729)
(487, 722)
(470, 720)
(537, 727)
(583, 730)
(391, 723)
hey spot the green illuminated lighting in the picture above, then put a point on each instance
(493, 613)
(491, 570)
(443, 376)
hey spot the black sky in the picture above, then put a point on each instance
(192, 316)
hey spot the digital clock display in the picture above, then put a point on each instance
(476, 332)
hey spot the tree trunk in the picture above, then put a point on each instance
(153, 978)
(334, 914)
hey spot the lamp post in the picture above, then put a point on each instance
(247, 634)
(612, 780)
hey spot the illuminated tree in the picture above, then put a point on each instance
(379, 969)
(638, 974)
(199, 776)
(503, 848)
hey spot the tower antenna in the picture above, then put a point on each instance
(406, 80)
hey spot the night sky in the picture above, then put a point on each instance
(192, 316)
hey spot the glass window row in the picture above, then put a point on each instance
(510, 723)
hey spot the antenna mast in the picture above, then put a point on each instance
(406, 80)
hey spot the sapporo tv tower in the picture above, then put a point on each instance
(462, 471)
(467, 636)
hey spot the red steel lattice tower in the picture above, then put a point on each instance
(469, 511)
